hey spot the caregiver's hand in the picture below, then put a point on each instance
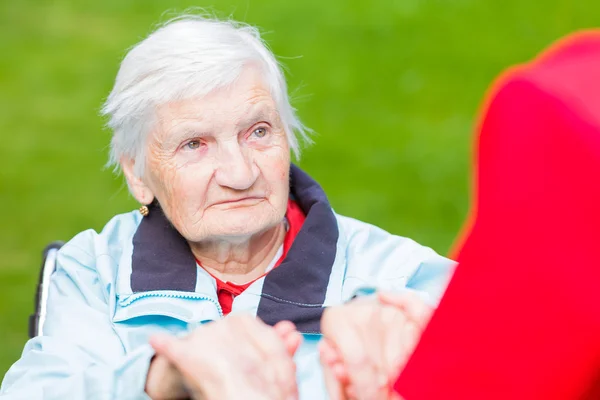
(237, 357)
(367, 343)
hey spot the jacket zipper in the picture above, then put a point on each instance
(175, 295)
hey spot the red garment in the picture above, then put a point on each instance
(227, 291)
(521, 316)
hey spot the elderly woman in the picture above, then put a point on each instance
(229, 232)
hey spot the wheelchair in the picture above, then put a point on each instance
(37, 319)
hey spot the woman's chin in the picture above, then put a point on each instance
(241, 223)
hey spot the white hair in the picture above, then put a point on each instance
(187, 57)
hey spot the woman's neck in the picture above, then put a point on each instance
(243, 261)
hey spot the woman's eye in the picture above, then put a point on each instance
(260, 132)
(193, 145)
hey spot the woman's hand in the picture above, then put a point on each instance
(367, 343)
(237, 357)
(164, 382)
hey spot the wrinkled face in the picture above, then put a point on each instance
(219, 165)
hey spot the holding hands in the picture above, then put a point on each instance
(366, 344)
(368, 341)
(234, 358)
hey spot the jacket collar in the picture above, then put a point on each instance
(294, 291)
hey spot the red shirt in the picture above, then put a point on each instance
(521, 317)
(227, 291)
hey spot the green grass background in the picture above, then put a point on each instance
(390, 87)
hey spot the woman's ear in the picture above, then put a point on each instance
(138, 188)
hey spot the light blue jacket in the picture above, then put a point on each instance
(114, 289)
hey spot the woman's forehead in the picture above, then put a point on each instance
(201, 112)
(247, 92)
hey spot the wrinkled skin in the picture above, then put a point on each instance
(219, 168)
(367, 343)
(244, 359)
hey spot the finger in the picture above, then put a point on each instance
(291, 338)
(240, 368)
(411, 336)
(284, 328)
(169, 347)
(414, 307)
(248, 369)
(397, 339)
(330, 356)
(292, 343)
(164, 380)
(160, 342)
(375, 335)
(327, 353)
(375, 345)
(175, 351)
(366, 316)
(333, 385)
(277, 365)
(346, 333)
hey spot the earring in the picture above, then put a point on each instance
(144, 211)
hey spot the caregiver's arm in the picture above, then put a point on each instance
(79, 355)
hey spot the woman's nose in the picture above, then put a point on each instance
(236, 170)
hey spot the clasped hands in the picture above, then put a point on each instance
(365, 345)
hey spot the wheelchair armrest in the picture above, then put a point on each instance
(36, 320)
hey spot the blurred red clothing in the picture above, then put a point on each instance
(521, 316)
